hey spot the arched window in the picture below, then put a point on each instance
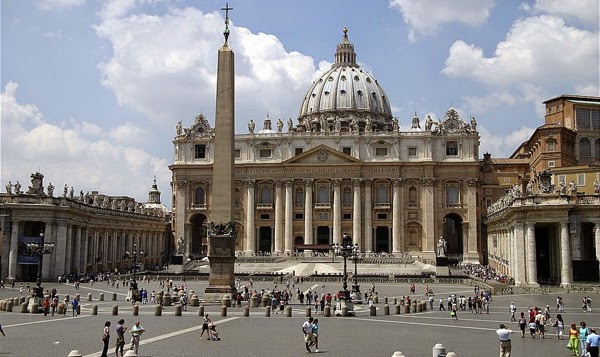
(323, 195)
(347, 197)
(412, 196)
(199, 198)
(299, 197)
(382, 195)
(597, 149)
(452, 196)
(585, 148)
(265, 195)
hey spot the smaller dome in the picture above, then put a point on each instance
(267, 129)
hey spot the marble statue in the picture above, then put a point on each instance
(572, 188)
(9, 188)
(17, 188)
(428, 123)
(354, 124)
(442, 247)
(290, 124)
(473, 124)
(71, 192)
(180, 244)
(395, 125)
(50, 190)
(65, 190)
(368, 124)
(178, 128)
(529, 188)
(337, 125)
(251, 126)
(279, 125)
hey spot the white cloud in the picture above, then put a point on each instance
(502, 145)
(424, 17)
(586, 11)
(165, 66)
(69, 155)
(58, 4)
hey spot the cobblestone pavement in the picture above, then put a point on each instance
(363, 335)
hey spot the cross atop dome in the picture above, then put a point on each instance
(344, 54)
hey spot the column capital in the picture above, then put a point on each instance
(356, 182)
(397, 182)
(428, 181)
(249, 183)
(308, 181)
(289, 183)
(278, 183)
(368, 182)
(336, 182)
(472, 182)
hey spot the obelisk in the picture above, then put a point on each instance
(221, 235)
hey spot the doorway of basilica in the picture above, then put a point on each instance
(453, 234)
(199, 236)
(382, 240)
(265, 239)
(323, 235)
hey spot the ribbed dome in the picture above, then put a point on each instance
(347, 92)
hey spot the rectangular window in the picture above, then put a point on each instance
(412, 152)
(347, 216)
(382, 216)
(299, 216)
(200, 151)
(506, 179)
(265, 216)
(451, 148)
(595, 119)
(238, 153)
(582, 118)
(347, 150)
(298, 151)
(551, 163)
(580, 179)
(381, 151)
(265, 153)
(562, 178)
(488, 180)
(488, 191)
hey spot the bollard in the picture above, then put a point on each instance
(397, 309)
(21, 300)
(288, 311)
(89, 297)
(60, 309)
(344, 310)
(95, 310)
(136, 310)
(406, 309)
(395, 301)
(16, 301)
(397, 354)
(385, 299)
(267, 311)
(372, 311)
(75, 353)
(265, 301)
(78, 309)
(386, 309)
(201, 310)
(438, 350)
(194, 301)
(413, 307)
(177, 310)
(223, 310)
(115, 310)
(23, 307)
(101, 298)
(130, 353)
(77, 297)
(3, 305)
(419, 307)
(226, 302)
(9, 306)
(451, 354)
(254, 301)
(34, 308)
(327, 311)
(246, 311)
(167, 300)
(376, 298)
(308, 311)
(114, 297)
(157, 310)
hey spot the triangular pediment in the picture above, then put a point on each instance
(324, 155)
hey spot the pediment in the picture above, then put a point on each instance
(324, 155)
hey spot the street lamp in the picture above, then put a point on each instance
(134, 294)
(346, 249)
(36, 248)
(355, 286)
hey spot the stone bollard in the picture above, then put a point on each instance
(372, 311)
(397, 354)
(201, 310)
(101, 298)
(177, 310)
(130, 353)
(386, 309)
(157, 310)
(95, 310)
(226, 302)
(89, 297)
(115, 310)
(406, 309)
(78, 309)
(419, 307)
(114, 297)
(16, 301)
(9, 306)
(267, 311)
(438, 350)
(288, 311)
(77, 297)
(376, 298)
(265, 302)
(24, 307)
(451, 354)
(385, 299)
(254, 301)
(136, 310)
(34, 308)
(194, 301)
(395, 301)
(413, 307)
(246, 311)
(397, 309)
(21, 300)
(75, 353)
(167, 300)
(308, 311)
(3, 305)
(223, 311)
(327, 311)
(345, 311)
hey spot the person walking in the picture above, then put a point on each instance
(559, 324)
(522, 324)
(307, 330)
(505, 344)
(573, 344)
(120, 344)
(205, 323)
(592, 343)
(316, 335)
(136, 331)
(105, 339)
(512, 309)
(584, 331)
(74, 305)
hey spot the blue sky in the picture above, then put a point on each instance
(92, 90)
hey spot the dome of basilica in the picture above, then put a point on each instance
(348, 93)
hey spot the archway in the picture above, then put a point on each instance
(199, 236)
(264, 239)
(547, 254)
(382, 240)
(453, 235)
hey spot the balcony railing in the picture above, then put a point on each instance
(264, 206)
(382, 205)
(325, 205)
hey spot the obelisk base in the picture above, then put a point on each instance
(221, 279)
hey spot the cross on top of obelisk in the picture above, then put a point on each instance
(226, 31)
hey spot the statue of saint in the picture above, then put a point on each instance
(17, 188)
(572, 188)
(65, 190)
(251, 126)
(441, 247)
(395, 125)
(290, 124)
(9, 188)
(178, 128)
(279, 125)
(180, 244)
(529, 188)
(71, 192)
(428, 123)
(50, 189)
(473, 124)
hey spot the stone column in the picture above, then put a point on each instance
(368, 241)
(531, 255)
(77, 249)
(356, 210)
(337, 212)
(308, 213)
(396, 248)
(60, 250)
(566, 274)
(47, 266)
(14, 250)
(470, 235)
(187, 232)
(68, 248)
(427, 204)
(250, 229)
(597, 238)
(289, 216)
(84, 249)
(278, 220)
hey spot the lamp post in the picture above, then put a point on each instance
(355, 286)
(134, 254)
(38, 249)
(346, 249)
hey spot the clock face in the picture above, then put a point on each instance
(452, 125)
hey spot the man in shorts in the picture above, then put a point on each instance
(307, 330)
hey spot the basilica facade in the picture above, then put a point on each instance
(343, 166)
